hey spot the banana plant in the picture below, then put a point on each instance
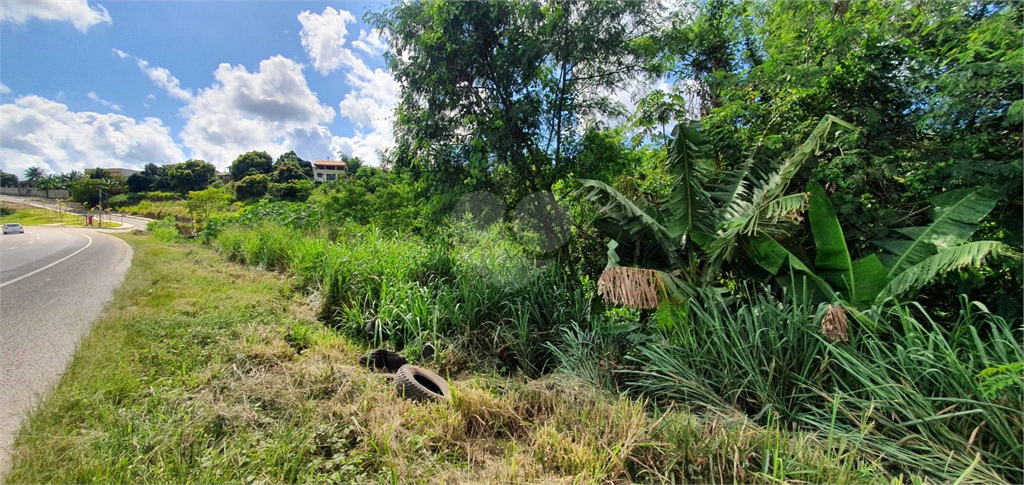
(905, 264)
(690, 234)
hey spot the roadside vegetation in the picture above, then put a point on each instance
(33, 216)
(819, 281)
(207, 371)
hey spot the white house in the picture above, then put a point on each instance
(327, 170)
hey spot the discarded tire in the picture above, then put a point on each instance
(383, 359)
(419, 384)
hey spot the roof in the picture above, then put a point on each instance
(329, 163)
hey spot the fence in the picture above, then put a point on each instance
(31, 192)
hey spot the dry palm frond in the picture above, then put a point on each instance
(833, 326)
(633, 287)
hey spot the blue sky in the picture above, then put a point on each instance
(122, 84)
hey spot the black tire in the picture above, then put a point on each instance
(383, 359)
(419, 384)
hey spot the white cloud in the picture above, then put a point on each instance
(4, 89)
(96, 98)
(77, 12)
(323, 37)
(160, 76)
(271, 109)
(36, 131)
(150, 96)
(163, 79)
(371, 43)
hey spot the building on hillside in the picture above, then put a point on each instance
(127, 172)
(327, 170)
(224, 177)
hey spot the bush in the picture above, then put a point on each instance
(164, 229)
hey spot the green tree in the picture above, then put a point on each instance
(200, 204)
(511, 80)
(8, 179)
(32, 174)
(100, 174)
(688, 236)
(140, 182)
(289, 158)
(251, 163)
(252, 187)
(191, 175)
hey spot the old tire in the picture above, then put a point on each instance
(419, 384)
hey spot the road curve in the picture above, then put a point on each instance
(54, 282)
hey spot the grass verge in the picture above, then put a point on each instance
(206, 371)
(34, 216)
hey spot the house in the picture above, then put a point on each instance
(224, 177)
(327, 170)
(126, 172)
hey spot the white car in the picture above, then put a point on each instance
(13, 228)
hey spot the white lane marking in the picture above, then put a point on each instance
(55, 263)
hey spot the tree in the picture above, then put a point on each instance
(32, 174)
(191, 175)
(87, 190)
(252, 187)
(140, 182)
(906, 265)
(8, 179)
(200, 204)
(100, 174)
(512, 80)
(291, 159)
(251, 163)
(685, 239)
(48, 183)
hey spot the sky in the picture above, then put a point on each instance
(88, 84)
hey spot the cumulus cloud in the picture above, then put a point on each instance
(271, 109)
(36, 131)
(160, 76)
(96, 98)
(323, 37)
(371, 43)
(77, 12)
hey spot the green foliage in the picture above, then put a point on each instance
(934, 250)
(191, 175)
(510, 83)
(164, 229)
(295, 189)
(87, 190)
(8, 179)
(34, 173)
(913, 397)
(1004, 378)
(252, 163)
(303, 168)
(252, 187)
(201, 204)
(371, 196)
(694, 230)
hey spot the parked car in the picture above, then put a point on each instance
(13, 228)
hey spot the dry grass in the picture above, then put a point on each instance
(206, 371)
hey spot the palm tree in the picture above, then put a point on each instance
(48, 183)
(32, 174)
(684, 240)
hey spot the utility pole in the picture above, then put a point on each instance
(100, 213)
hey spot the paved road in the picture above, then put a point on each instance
(131, 222)
(54, 282)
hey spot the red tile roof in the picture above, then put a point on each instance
(329, 163)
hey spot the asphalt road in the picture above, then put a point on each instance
(131, 222)
(54, 282)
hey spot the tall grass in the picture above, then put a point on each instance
(910, 398)
(474, 291)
